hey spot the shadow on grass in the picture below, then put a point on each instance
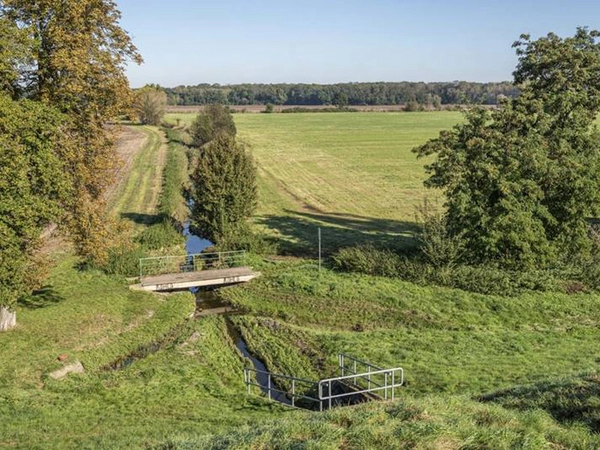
(567, 401)
(41, 298)
(142, 219)
(298, 232)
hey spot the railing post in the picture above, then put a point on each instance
(386, 385)
(354, 372)
(269, 386)
(320, 388)
(293, 392)
(393, 384)
(329, 383)
(369, 376)
(341, 363)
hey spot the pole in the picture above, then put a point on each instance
(319, 249)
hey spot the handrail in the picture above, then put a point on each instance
(389, 378)
(194, 262)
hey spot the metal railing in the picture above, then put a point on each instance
(270, 386)
(359, 377)
(162, 265)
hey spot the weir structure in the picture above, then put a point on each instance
(359, 381)
(171, 273)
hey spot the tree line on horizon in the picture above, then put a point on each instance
(344, 94)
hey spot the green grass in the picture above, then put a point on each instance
(354, 175)
(137, 196)
(568, 400)
(455, 347)
(432, 422)
(448, 341)
(192, 385)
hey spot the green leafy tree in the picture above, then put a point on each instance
(223, 189)
(32, 189)
(521, 181)
(214, 121)
(150, 103)
(77, 65)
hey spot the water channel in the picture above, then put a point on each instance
(207, 300)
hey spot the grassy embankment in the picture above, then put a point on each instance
(192, 382)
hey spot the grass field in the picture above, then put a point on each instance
(352, 174)
(481, 371)
(137, 193)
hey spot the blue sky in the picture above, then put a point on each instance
(328, 41)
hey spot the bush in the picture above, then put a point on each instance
(245, 239)
(438, 247)
(483, 279)
(369, 260)
(123, 260)
(178, 136)
(161, 235)
(214, 121)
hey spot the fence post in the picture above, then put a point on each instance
(320, 387)
(319, 249)
(293, 392)
(354, 368)
(329, 384)
(369, 376)
(393, 385)
(342, 363)
(386, 385)
(269, 386)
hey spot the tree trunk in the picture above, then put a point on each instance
(8, 318)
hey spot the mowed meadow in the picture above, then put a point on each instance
(352, 174)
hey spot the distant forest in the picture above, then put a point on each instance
(343, 94)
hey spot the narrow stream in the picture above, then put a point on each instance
(207, 300)
(261, 378)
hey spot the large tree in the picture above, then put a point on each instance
(150, 103)
(33, 139)
(223, 189)
(521, 182)
(77, 65)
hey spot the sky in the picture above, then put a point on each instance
(187, 42)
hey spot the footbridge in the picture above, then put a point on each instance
(171, 273)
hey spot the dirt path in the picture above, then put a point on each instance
(129, 142)
(137, 194)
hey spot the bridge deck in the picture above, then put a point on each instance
(218, 277)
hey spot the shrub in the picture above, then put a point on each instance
(482, 279)
(123, 260)
(161, 235)
(367, 259)
(438, 247)
(244, 238)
